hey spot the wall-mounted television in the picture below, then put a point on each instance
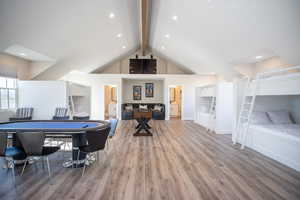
(142, 66)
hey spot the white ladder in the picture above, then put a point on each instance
(212, 113)
(71, 106)
(246, 110)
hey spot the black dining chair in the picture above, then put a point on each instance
(96, 141)
(113, 127)
(61, 114)
(33, 144)
(9, 153)
(22, 114)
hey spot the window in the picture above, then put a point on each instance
(8, 87)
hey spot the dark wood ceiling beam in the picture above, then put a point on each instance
(145, 24)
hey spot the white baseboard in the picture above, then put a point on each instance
(223, 131)
(187, 118)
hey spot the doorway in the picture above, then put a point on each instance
(175, 103)
(110, 101)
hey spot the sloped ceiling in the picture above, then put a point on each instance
(209, 36)
(213, 35)
(77, 34)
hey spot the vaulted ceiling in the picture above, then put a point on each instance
(206, 36)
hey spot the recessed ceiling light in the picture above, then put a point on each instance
(167, 36)
(175, 17)
(22, 54)
(258, 57)
(111, 15)
(163, 47)
(119, 35)
(123, 47)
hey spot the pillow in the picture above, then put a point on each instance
(260, 118)
(143, 107)
(157, 108)
(129, 107)
(280, 117)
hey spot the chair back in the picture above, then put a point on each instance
(61, 114)
(81, 117)
(24, 112)
(113, 127)
(96, 140)
(3, 144)
(32, 142)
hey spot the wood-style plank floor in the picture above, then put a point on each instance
(181, 161)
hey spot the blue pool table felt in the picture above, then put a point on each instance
(48, 125)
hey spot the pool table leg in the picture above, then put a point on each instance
(77, 141)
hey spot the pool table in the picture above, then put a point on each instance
(76, 129)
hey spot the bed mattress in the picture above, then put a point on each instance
(286, 130)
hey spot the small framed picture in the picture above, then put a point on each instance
(149, 90)
(137, 92)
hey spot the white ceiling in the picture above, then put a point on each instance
(27, 54)
(210, 36)
(75, 33)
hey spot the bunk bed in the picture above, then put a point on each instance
(273, 130)
(214, 107)
(205, 109)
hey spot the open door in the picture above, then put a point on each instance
(110, 101)
(175, 107)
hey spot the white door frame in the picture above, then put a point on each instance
(168, 100)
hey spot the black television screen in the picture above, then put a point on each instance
(142, 66)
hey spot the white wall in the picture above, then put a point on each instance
(97, 82)
(128, 91)
(164, 66)
(37, 67)
(252, 69)
(189, 84)
(81, 98)
(224, 108)
(43, 96)
(272, 103)
(5, 115)
(12, 66)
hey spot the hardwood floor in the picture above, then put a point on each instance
(181, 161)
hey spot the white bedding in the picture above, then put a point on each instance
(288, 130)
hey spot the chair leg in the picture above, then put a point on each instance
(78, 153)
(24, 166)
(49, 172)
(13, 170)
(48, 166)
(97, 157)
(83, 168)
(107, 143)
